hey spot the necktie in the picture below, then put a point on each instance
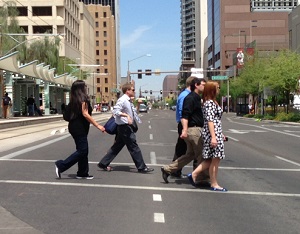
(135, 115)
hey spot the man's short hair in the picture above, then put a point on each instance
(126, 87)
(189, 81)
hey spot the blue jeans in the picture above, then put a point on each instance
(31, 110)
(80, 156)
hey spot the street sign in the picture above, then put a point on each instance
(219, 77)
(197, 72)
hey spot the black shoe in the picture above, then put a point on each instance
(57, 171)
(165, 175)
(145, 170)
(176, 174)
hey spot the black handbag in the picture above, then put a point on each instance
(111, 126)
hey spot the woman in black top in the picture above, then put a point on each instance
(78, 114)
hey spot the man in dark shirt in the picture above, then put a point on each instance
(192, 123)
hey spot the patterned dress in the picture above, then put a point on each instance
(212, 113)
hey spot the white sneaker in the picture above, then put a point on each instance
(89, 177)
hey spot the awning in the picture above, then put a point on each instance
(34, 70)
(9, 62)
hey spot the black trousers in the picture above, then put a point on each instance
(125, 136)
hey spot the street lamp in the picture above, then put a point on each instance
(128, 62)
(84, 65)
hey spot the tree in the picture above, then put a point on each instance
(9, 24)
(284, 74)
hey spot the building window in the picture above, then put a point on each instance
(104, 14)
(97, 52)
(105, 33)
(42, 11)
(97, 33)
(97, 61)
(106, 90)
(105, 42)
(104, 24)
(96, 14)
(106, 80)
(42, 29)
(98, 70)
(22, 11)
(97, 43)
(97, 24)
(105, 62)
(105, 70)
(98, 90)
(98, 80)
(105, 52)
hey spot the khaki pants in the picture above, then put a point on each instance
(194, 145)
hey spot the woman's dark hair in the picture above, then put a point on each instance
(78, 95)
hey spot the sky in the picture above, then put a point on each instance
(150, 27)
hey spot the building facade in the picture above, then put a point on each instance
(105, 54)
(235, 25)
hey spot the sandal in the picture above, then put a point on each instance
(105, 168)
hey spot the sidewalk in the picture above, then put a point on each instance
(13, 122)
(9, 224)
(23, 121)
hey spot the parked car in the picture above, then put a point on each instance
(173, 108)
(143, 108)
(104, 108)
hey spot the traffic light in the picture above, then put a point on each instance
(150, 91)
(140, 75)
(148, 72)
(160, 91)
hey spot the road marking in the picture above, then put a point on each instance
(157, 197)
(234, 139)
(17, 153)
(159, 165)
(152, 157)
(244, 131)
(268, 129)
(193, 190)
(159, 217)
(287, 160)
(151, 136)
(150, 127)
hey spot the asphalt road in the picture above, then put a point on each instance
(261, 171)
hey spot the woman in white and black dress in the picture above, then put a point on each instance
(213, 138)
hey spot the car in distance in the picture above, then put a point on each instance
(104, 108)
(143, 108)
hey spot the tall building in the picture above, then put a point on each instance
(105, 54)
(114, 7)
(193, 33)
(240, 24)
(113, 4)
(76, 26)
